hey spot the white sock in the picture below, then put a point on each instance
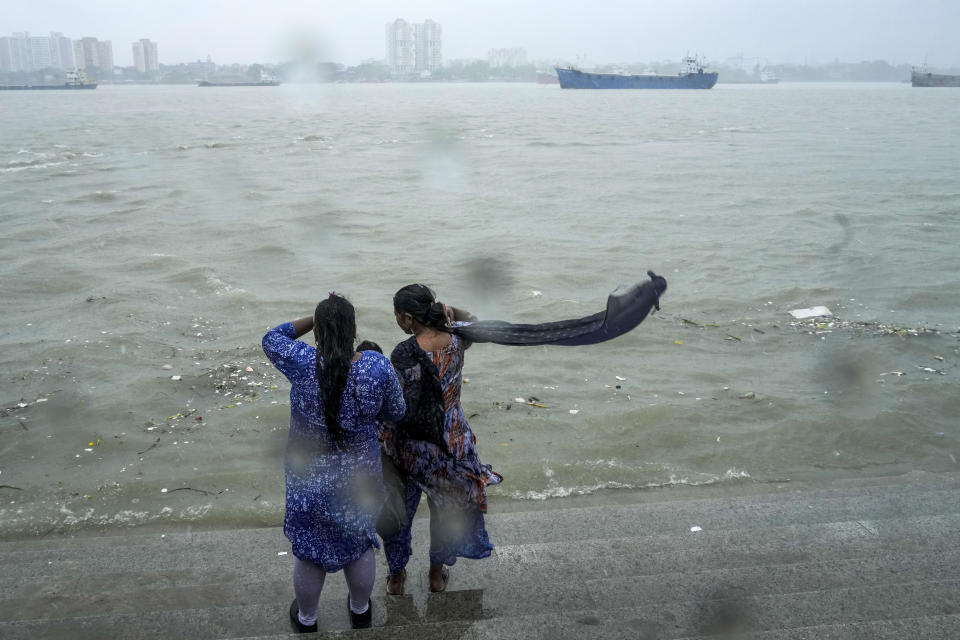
(359, 610)
(306, 621)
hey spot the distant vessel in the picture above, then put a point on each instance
(691, 76)
(768, 77)
(923, 78)
(764, 77)
(266, 80)
(545, 77)
(75, 79)
(261, 83)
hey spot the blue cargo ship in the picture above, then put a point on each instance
(691, 76)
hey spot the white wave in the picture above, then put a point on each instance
(555, 490)
(31, 166)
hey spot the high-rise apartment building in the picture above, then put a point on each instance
(428, 41)
(23, 52)
(400, 52)
(145, 56)
(91, 53)
(414, 48)
(62, 48)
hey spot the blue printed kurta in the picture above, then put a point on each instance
(334, 491)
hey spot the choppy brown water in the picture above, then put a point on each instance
(153, 226)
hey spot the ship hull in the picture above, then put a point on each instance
(266, 83)
(934, 80)
(47, 87)
(575, 79)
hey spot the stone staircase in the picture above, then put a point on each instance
(875, 558)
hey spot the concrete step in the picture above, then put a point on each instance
(775, 507)
(708, 616)
(553, 588)
(815, 561)
(928, 628)
(157, 562)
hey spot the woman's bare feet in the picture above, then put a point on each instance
(395, 583)
(439, 575)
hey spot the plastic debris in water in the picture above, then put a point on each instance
(695, 528)
(620, 378)
(574, 412)
(249, 369)
(678, 342)
(167, 367)
(174, 377)
(812, 312)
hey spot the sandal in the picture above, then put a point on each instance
(395, 583)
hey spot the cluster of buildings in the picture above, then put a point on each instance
(21, 52)
(414, 48)
(514, 57)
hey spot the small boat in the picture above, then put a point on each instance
(691, 76)
(75, 79)
(768, 77)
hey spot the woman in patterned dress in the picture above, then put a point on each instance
(446, 465)
(332, 464)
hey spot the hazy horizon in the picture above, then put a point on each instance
(815, 32)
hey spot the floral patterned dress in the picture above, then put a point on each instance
(333, 490)
(453, 477)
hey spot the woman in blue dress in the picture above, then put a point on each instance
(442, 460)
(334, 486)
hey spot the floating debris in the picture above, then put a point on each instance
(930, 370)
(812, 312)
(875, 328)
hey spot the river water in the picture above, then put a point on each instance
(150, 235)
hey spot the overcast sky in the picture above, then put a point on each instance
(246, 31)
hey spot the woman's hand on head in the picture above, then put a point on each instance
(448, 314)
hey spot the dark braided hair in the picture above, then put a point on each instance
(418, 300)
(335, 329)
(424, 419)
